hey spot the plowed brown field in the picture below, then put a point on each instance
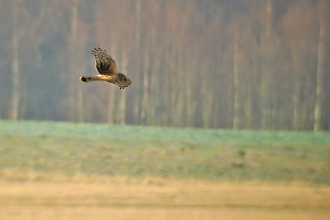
(160, 199)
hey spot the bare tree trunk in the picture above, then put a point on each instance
(137, 23)
(73, 62)
(137, 100)
(122, 107)
(246, 95)
(237, 102)
(296, 124)
(189, 108)
(145, 92)
(266, 82)
(80, 102)
(207, 105)
(16, 73)
(191, 102)
(321, 69)
(111, 102)
(154, 89)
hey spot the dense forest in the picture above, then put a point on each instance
(234, 64)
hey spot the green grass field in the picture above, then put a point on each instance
(180, 153)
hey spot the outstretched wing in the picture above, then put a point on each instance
(104, 63)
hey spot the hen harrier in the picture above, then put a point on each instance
(107, 69)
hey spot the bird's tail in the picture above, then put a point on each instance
(86, 79)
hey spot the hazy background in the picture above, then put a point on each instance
(237, 64)
(228, 64)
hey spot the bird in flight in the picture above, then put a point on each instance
(106, 67)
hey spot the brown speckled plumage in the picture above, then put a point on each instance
(106, 66)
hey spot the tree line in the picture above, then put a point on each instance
(252, 64)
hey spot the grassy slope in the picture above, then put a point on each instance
(68, 148)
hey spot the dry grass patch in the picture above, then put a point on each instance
(150, 198)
